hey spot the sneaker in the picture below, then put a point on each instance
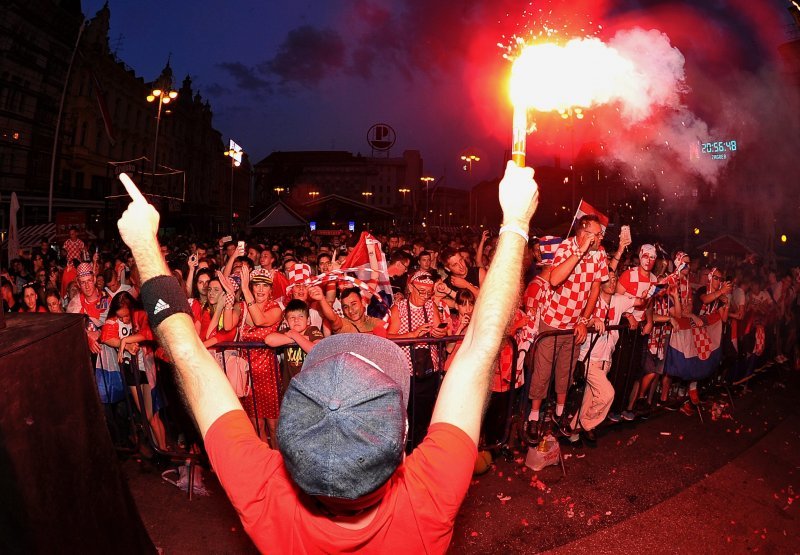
(694, 397)
(641, 407)
(574, 438)
(531, 432)
(628, 415)
(670, 406)
(687, 409)
(614, 417)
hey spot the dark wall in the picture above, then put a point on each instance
(61, 488)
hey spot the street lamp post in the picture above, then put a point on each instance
(427, 181)
(367, 195)
(469, 159)
(403, 191)
(235, 152)
(163, 96)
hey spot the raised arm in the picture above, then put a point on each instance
(465, 389)
(205, 387)
(325, 309)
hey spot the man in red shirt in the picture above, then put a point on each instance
(91, 302)
(339, 482)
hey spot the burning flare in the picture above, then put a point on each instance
(637, 69)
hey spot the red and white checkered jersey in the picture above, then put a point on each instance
(568, 299)
(637, 285)
(74, 249)
(418, 318)
(658, 337)
(534, 301)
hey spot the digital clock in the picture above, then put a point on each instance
(718, 147)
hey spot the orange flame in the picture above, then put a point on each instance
(547, 77)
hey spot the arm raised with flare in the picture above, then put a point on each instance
(465, 389)
(204, 386)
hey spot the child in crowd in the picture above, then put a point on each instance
(299, 337)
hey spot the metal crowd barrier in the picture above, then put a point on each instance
(624, 371)
(246, 347)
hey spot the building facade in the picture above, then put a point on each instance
(106, 125)
(300, 178)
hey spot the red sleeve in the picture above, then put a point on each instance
(142, 325)
(625, 281)
(196, 310)
(242, 461)
(562, 252)
(110, 330)
(438, 474)
(602, 270)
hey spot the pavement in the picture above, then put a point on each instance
(671, 484)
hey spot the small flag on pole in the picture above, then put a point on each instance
(584, 209)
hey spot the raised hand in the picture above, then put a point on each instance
(315, 293)
(226, 283)
(519, 195)
(138, 225)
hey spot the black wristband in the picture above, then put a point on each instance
(162, 297)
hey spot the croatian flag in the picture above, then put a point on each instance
(548, 245)
(694, 353)
(584, 209)
(369, 264)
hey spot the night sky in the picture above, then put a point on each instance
(317, 75)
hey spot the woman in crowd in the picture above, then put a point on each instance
(127, 331)
(465, 303)
(198, 298)
(30, 299)
(262, 315)
(53, 301)
(210, 323)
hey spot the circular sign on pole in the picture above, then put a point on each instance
(381, 136)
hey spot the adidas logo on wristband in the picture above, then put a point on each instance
(160, 305)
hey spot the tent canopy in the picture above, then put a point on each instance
(278, 215)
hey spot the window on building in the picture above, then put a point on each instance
(98, 183)
(66, 180)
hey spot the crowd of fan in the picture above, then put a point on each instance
(271, 292)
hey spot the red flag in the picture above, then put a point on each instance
(369, 264)
(584, 208)
(101, 103)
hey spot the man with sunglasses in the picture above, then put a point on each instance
(579, 267)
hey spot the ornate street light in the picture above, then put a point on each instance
(163, 95)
